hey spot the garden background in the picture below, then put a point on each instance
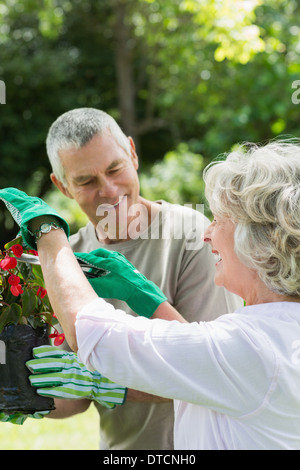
(187, 79)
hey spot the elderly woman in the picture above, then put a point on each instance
(235, 381)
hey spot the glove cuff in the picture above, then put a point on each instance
(51, 218)
(153, 300)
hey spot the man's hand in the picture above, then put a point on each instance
(59, 374)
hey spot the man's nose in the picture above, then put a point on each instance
(107, 189)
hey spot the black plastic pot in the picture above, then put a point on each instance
(16, 393)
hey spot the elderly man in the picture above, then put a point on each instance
(96, 164)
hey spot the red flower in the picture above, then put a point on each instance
(16, 290)
(58, 338)
(13, 280)
(17, 250)
(41, 292)
(8, 263)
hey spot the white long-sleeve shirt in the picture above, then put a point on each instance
(235, 380)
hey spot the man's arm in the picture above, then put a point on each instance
(165, 311)
(142, 397)
(67, 408)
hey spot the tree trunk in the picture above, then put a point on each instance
(124, 69)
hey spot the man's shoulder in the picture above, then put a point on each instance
(187, 210)
(187, 222)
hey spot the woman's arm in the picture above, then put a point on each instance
(67, 287)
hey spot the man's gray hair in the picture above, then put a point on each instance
(76, 128)
(258, 188)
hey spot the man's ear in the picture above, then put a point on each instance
(60, 186)
(134, 157)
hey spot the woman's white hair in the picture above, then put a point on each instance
(258, 187)
(76, 128)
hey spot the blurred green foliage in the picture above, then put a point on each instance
(206, 73)
(176, 178)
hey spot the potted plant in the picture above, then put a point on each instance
(26, 320)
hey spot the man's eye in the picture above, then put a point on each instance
(114, 170)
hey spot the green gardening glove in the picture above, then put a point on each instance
(113, 277)
(23, 208)
(59, 374)
(18, 417)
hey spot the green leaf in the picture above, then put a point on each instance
(37, 272)
(10, 315)
(15, 241)
(25, 270)
(29, 302)
(35, 321)
(48, 318)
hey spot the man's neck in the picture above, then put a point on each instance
(121, 230)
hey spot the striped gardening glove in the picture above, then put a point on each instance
(59, 374)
